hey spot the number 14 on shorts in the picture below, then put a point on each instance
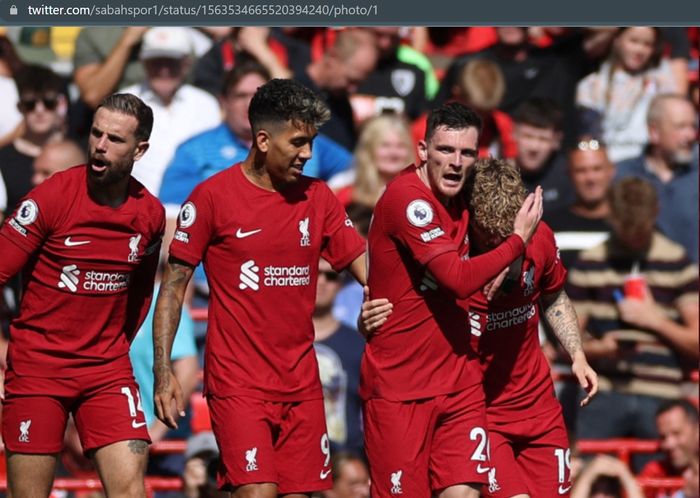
(134, 406)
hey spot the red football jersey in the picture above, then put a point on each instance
(517, 380)
(420, 351)
(261, 251)
(89, 274)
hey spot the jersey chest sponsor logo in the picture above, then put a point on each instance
(510, 318)
(98, 282)
(272, 276)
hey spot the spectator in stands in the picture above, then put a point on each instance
(623, 87)
(383, 150)
(538, 137)
(201, 462)
(105, 59)
(10, 116)
(278, 53)
(396, 84)
(677, 425)
(606, 477)
(56, 157)
(670, 163)
(584, 224)
(339, 352)
(642, 343)
(339, 73)
(180, 110)
(43, 104)
(481, 86)
(350, 477)
(531, 72)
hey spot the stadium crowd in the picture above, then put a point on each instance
(604, 120)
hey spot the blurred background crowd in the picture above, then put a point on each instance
(605, 119)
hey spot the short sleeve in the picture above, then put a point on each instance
(554, 276)
(34, 218)
(342, 244)
(195, 227)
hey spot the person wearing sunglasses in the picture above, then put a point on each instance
(43, 104)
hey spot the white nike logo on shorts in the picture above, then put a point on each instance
(136, 424)
(564, 490)
(324, 473)
(241, 235)
(71, 243)
(482, 470)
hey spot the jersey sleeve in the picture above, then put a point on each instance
(141, 287)
(342, 244)
(412, 218)
(195, 227)
(35, 217)
(554, 274)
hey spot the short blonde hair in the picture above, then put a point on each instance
(495, 194)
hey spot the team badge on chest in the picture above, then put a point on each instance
(304, 231)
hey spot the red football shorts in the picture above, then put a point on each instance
(272, 442)
(418, 447)
(531, 457)
(106, 408)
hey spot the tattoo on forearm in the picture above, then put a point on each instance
(138, 446)
(561, 316)
(167, 318)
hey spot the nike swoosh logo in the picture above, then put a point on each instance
(482, 470)
(241, 235)
(71, 243)
(324, 473)
(563, 490)
(136, 424)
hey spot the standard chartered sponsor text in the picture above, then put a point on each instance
(287, 276)
(510, 318)
(208, 10)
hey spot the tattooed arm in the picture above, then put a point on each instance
(561, 317)
(165, 323)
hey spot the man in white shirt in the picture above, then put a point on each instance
(180, 110)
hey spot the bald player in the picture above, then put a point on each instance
(56, 157)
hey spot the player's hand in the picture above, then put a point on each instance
(494, 285)
(2, 384)
(374, 314)
(586, 376)
(529, 216)
(167, 389)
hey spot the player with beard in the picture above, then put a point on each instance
(87, 242)
(424, 405)
(529, 447)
